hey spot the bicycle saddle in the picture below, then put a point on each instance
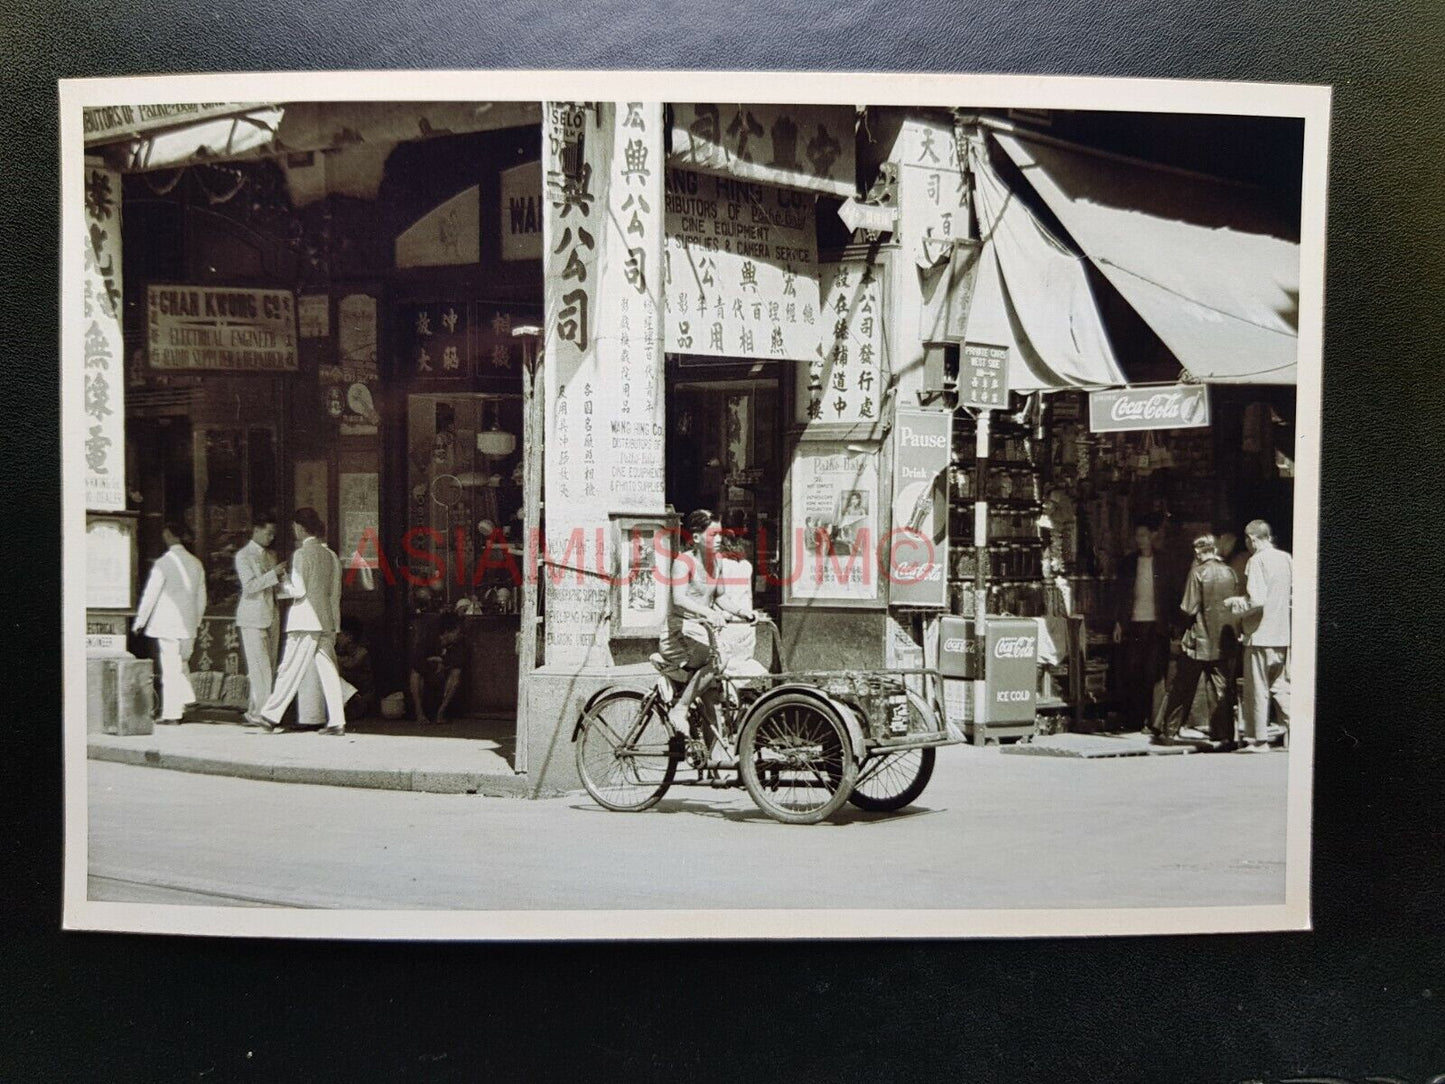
(667, 669)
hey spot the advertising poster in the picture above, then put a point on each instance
(352, 381)
(313, 316)
(360, 501)
(833, 540)
(916, 558)
(741, 269)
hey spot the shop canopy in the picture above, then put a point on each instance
(1032, 295)
(1201, 260)
(268, 131)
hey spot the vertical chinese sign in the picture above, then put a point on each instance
(602, 245)
(843, 382)
(934, 192)
(630, 326)
(104, 405)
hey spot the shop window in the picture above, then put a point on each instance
(465, 500)
(235, 471)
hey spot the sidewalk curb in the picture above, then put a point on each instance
(428, 781)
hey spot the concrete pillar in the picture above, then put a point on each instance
(603, 388)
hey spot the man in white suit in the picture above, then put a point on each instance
(256, 618)
(170, 613)
(314, 587)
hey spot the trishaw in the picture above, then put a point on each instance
(802, 743)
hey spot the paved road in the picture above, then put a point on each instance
(992, 831)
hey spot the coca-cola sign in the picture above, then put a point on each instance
(1014, 647)
(1176, 406)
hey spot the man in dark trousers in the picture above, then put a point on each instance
(1209, 649)
(1146, 592)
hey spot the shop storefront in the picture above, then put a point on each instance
(883, 352)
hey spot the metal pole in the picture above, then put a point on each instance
(981, 571)
(533, 428)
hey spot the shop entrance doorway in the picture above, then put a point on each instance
(725, 453)
(464, 541)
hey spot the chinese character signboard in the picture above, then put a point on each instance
(741, 269)
(843, 381)
(630, 346)
(437, 340)
(602, 249)
(1181, 406)
(917, 553)
(983, 376)
(103, 345)
(521, 212)
(831, 549)
(219, 327)
(933, 190)
(802, 146)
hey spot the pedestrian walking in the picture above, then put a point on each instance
(256, 617)
(314, 587)
(170, 613)
(1207, 651)
(1145, 590)
(1265, 609)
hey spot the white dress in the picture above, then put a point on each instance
(738, 641)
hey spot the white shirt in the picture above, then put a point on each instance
(1144, 590)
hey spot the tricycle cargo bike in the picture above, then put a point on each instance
(802, 743)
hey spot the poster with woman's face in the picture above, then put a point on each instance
(832, 543)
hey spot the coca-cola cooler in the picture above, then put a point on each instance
(1010, 670)
(1006, 668)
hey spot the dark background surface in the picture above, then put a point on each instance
(1361, 995)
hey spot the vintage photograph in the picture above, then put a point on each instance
(884, 508)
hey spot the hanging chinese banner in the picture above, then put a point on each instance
(741, 269)
(843, 382)
(933, 189)
(104, 357)
(630, 331)
(602, 240)
(800, 146)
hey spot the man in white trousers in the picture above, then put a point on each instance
(314, 587)
(256, 618)
(1265, 607)
(170, 613)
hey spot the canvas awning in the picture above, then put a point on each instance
(1032, 295)
(1201, 260)
(273, 130)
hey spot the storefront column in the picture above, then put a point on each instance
(603, 381)
(121, 699)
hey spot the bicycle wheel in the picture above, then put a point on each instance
(797, 760)
(889, 781)
(622, 752)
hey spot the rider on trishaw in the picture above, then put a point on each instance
(698, 595)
